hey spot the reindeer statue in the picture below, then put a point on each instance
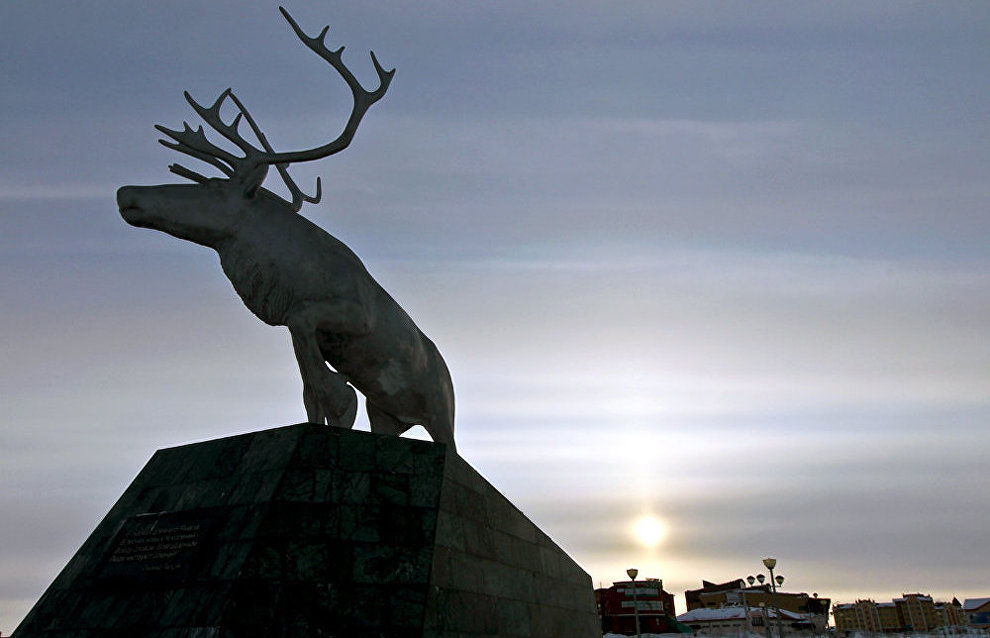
(290, 272)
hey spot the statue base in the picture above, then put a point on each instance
(308, 530)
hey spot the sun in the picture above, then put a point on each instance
(649, 530)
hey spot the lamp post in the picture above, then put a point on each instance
(763, 606)
(780, 582)
(633, 572)
(770, 563)
(748, 625)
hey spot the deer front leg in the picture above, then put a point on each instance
(326, 394)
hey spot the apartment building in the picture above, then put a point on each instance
(916, 613)
(798, 611)
(951, 614)
(862, 615)
(977, 611)
(621, 604)
(732, 593)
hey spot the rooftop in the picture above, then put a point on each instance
(974, 603)
(732, 613)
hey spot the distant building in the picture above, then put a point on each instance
(890, 619)
(804, 611)
(811, 610)
(865, 616)
(977, 611)
(844, 615)
(731, 621)
(916, 613)
(714, 596)
(950, 614)
(693, 596)
(617, 606)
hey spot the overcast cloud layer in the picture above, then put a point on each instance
(723, 263)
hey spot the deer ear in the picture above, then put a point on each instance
(253, 181)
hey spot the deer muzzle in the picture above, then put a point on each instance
(127, 203)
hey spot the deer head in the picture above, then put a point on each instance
(180, 210)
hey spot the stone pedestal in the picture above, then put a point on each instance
(307, 530)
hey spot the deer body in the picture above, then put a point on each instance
(289, 271)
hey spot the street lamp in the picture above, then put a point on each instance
(770, 563)
(763, 608)
(633, 572)
(749, 623)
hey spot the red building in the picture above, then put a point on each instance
(618, 604)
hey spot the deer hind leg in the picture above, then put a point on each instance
(384, 423)
(442, 431)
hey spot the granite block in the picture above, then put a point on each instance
(268, 451)
(352, 487)
(310, 530)
(394, 456)
(358, 455)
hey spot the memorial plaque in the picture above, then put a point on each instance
(160, 547)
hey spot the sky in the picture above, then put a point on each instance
(722, 266)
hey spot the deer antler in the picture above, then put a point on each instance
(298, 197)
(363, 99)
(249, 168)
(196, 144)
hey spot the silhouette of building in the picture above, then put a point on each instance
(977, 611)
(617, 606)
(693, 596)
(714, 596)
(866, 616)
(802, 611)
(731, 621)
(890, 619)
(916, 613)
(950, 614)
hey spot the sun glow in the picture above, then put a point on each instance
(649, 530)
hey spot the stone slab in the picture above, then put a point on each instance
(307, 530)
